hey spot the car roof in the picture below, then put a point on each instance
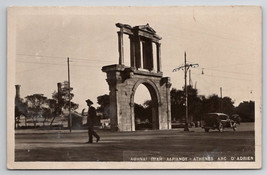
(218, 113)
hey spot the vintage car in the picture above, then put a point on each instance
(218, 121)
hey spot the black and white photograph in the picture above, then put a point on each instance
(174, 87)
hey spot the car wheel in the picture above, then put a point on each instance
(206, 130)
(220, 127)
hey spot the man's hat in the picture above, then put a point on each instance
(89, 101)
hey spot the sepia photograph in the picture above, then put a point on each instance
(174, 87)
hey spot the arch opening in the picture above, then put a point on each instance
(145, 113)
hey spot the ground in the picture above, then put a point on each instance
(165, 145)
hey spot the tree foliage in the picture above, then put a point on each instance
(199, 105)
(36, 106)
(40, 108)
(104, 107)
(246, 111)
(63, 98)
(144, 112)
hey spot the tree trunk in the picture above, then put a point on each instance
(55, 114)
(44, 121)
(34, 122)
(51, 123)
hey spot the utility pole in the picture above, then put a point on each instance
(70, 119)
(186, 67)
(221, 99)
(186, 127)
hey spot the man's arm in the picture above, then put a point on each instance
(83, 112)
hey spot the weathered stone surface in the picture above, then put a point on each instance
(122, 100)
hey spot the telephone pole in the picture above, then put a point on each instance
(70, 119)
(221, 99)
(186, 67)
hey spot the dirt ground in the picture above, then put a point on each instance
(156, 145)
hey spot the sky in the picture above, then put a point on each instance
(224, 41)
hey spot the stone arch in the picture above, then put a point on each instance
(123, 80)
(150, 86)
(155, 97)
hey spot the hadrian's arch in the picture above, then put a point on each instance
(145, 69)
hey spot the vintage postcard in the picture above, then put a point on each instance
(134, 87)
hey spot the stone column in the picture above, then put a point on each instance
(113, 79)
(17, 91)
(137, 52)
(151, 61)
(120, 41)
(113, 108)
(132, 52)
(158, 57)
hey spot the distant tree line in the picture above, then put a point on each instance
(198, 105)
(37, 107)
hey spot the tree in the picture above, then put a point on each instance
(227, 105)
(194, 104)
(215, 104)
(104, 103)
(62, 99)
(51, 111)
(211, 104)
(177, 104)
(148, 105)
(139, 111)
(198, 104)
(246, 111)
(36, 106)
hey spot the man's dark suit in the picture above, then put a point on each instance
(90, 122)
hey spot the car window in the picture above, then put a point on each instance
(223, 117)
(210, 116)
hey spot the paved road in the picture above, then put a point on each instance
(60, 145)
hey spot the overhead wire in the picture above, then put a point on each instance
(223, 77)
(38, 68)
(218, 70)
(73, 58)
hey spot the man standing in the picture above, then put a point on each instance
(90, 122)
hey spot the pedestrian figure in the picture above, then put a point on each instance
(90, 122)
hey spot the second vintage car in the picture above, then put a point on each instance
(218, 121)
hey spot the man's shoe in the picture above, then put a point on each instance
(98, 138)
(88, 142)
